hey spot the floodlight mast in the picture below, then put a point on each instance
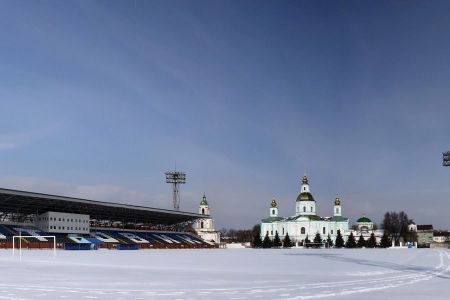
(176, 178)
(446, 159)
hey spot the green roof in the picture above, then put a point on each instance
(310, 217)
(364, 219)
(314, 218)
(338, 219)
(272, 219)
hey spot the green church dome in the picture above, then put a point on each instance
(364, 219)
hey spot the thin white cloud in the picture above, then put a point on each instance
(15, 140)
(7, 145)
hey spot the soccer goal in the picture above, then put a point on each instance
(41, 238)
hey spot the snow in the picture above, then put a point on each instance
(227, 274)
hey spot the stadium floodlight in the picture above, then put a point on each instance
(176, 178)
(446, 159)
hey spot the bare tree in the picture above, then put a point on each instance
(395, 225)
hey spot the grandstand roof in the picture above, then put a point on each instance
(28, 203)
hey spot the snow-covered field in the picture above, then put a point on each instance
(227, 274)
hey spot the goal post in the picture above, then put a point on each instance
(38, 237)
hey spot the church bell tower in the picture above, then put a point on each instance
(273, 208)
(337, 207)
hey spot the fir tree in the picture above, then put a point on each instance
(307, 242)
(267, 242)
(287, 241)
(329, 241)
(372, 242)
(276, 241)
(351, 243)
(317, 241)
(361, 242)
(385, 241)
(339, 240)
(257, 242)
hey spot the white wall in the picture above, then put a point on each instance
(63, 222)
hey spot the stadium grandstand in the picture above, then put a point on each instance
(81, 224)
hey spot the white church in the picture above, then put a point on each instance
(305, 222)
(205, 227)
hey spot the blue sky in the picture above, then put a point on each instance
(100, 98)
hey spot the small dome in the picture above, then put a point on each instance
(274, 203)
(305, 196)
(204, 202)
(364, 219)
(337, 201)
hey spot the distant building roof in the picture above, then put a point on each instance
(424, 227)
(441, 233)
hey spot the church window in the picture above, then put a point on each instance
(283, 230)
(273, 211)
(323, 230)
(304, 208)
(201, 224)
(311, 209)
(203, 211)
(302, 231)
(331, 231)
(271, 232)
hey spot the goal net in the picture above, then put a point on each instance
(40, 238)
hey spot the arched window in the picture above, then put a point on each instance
(304, 208)
(203, 211)
(323, 231)
(273, 211)
(302, 231)
(311, 208)
(201, 224)
(283, 230)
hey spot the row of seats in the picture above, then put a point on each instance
(141, 237)
(104, 238)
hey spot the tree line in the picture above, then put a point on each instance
(318, 242)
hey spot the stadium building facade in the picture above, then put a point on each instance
(81, 224)
(305, 223)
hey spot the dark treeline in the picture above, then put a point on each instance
(237, 235)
